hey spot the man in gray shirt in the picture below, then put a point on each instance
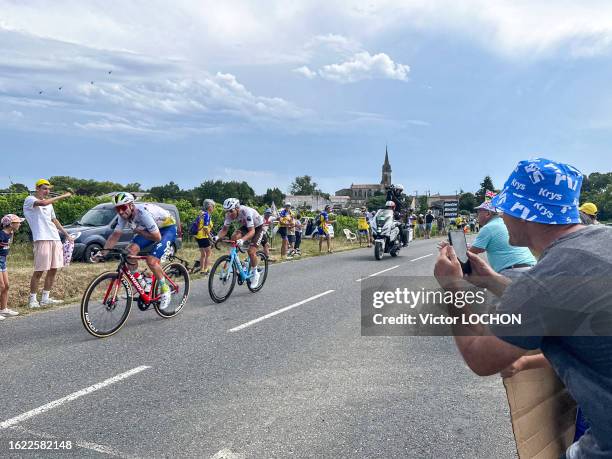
(565, 300)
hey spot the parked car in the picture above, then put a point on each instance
(93, 229)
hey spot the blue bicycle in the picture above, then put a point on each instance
(229, 269)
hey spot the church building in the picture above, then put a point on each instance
(359, 193)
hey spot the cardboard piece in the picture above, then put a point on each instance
(543, 414)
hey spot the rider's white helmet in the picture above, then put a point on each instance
(287, 204)
(399, 187)
(122, 198)
(230, 204)
(390, 204)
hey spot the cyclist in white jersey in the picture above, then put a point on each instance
(251, 229)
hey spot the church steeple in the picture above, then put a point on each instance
(386, 170)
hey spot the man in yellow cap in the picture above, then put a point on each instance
(588, 214)
(48, 251)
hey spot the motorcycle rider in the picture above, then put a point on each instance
(390, 205)
(395, 194)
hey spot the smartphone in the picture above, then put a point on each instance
(457, 240)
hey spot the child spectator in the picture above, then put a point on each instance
(10, 224)
(298, 235)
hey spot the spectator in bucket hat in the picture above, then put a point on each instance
(564, 301)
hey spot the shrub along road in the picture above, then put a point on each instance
(236, 380)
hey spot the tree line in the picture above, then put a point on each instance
(596, 188)
(217, 190)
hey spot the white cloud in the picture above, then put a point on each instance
(305, 71)
(100, 90)
(208, 31)
(364, 66)
(11, 116)
(331, 42)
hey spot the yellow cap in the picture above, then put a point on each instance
(588, 208)
(42, 181)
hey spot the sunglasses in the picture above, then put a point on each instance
(122, 208)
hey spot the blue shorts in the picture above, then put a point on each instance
(2, 264)
(282, 232)
(168, 236)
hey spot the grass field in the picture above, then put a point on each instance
(72, 281)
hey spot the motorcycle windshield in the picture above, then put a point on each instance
(383, 217)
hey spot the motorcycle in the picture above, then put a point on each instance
(386, 234)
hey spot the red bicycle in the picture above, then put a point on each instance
(107, 302)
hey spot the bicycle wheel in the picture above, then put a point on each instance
(106, 304)
(179, 283)
(222, 279)
(262, 267)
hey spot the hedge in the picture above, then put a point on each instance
(71, 209)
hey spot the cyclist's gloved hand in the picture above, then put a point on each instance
(240, 243)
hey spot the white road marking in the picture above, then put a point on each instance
(376, 274)
(81, 444)
(54, 404)
(420, 258)
(227, 453)
(389, 269)
(272, 314)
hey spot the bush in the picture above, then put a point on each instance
(343, 222)
(71, 209)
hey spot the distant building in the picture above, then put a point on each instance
(435, 202)
(317, 202)
(359, 194)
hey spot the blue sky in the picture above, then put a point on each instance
(265, 91)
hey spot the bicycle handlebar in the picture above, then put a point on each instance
(232, 243)
(123, 254)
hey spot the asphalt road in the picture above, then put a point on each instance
(301, 383)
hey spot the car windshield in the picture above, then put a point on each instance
(97, 217)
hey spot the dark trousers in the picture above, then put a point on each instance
(298, 240)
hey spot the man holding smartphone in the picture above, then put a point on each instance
(564, 301)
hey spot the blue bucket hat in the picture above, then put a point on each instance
(542, 191)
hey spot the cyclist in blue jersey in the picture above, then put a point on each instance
(153, 227)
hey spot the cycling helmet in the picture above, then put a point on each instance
(399, 187)
(268, 211)
(230, 204)
(287, 204)
(390, 204)
(122, 198)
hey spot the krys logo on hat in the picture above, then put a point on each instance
(542, 191)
